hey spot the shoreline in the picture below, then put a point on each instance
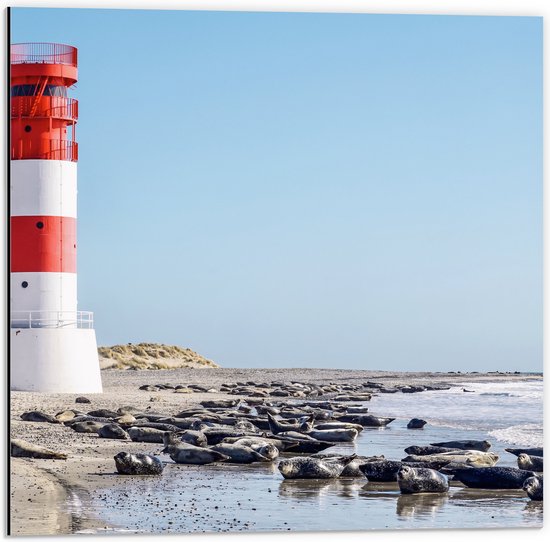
(89, 468)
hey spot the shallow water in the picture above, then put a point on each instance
(223, 497)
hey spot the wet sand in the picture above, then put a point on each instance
(81, 494)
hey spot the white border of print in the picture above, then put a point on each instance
(444, 7)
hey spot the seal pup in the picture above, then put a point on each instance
(311, 467)
(114, 431)
(529, 451)
(530, 462)
(416, 423)
(480, 445)
(138, 464)
(533, 486)
(22, 448)
(492, 477)
(421, 480)
(381, 471)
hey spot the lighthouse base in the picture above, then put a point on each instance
(54, 361)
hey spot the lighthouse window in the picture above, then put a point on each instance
(31, 90)
(40, 225)
(28, 128)
(24, 284)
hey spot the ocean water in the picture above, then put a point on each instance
(226, 498)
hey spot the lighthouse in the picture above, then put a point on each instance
(53, 346)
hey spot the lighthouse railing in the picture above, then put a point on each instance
(43, 53)
(52, 319)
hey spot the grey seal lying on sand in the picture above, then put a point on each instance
(139, 464)
(22, 448)
(420, 480)
(492, 477)
(381, 471)
(311, 467)
(481, 445)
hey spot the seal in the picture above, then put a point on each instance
(187, 454)
(197, 438)
(262, 446)
(146, 434)
(428, 450)
(473, 458)
(530, 462)
(421, 480)
(89, 426)
(334, 435)
(416, 423)
(381, 471)
(311, 467)
(37, 416)
(352, 469)
(366, 420)
(529, 451)
(492, 477)
(481, 445)
(276, 427)
(138, 464)
(534, 488)
(238, 453)
(22, 448)
(114, 431)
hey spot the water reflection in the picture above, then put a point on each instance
(320, 489)
(534, 509)
(420, 504)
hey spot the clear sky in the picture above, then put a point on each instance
(310, 190)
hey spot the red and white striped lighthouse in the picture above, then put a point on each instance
(53, 346)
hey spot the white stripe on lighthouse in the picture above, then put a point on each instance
(50, 292)
(43, 188)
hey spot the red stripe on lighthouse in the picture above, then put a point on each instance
(43, 244)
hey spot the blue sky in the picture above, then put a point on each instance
(310, 190)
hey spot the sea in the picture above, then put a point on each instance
(228, 498)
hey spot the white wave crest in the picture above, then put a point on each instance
(529, 434)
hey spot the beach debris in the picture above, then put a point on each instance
(492, 477)
(533, 486)
(22, 448)
(416, 423)
(530, 462)
(421, 480)
(481, 445)
(38, 416)
(138, 464)
(313, 467)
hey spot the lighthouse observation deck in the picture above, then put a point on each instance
(43, 53)
(52, 319)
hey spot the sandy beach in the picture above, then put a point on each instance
(55, 496)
